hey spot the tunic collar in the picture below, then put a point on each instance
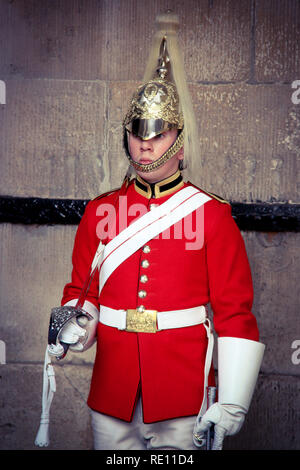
(161, 188)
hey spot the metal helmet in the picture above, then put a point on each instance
(157, 105)
(154, 107)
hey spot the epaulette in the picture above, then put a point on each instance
(214, 196)
(105, 194)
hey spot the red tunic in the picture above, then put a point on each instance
(167, 366)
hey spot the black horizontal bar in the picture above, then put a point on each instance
(40, 211)
(260, 216)
(267, 217)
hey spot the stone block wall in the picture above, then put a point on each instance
(69, 68)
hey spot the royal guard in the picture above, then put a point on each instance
(147, 260)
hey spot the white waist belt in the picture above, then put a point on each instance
(165, 320)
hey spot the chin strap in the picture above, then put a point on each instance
(49, 388)
(146, 168)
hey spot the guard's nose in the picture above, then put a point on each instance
(145, 145)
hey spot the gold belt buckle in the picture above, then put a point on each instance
(141, 322)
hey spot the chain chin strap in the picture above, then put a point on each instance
(161, 160)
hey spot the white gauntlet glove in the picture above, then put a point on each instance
(227, 421)
(79, 333)
(239, 361)
(73, 334)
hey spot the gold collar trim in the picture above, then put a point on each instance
(161, 188)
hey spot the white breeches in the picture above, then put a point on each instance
(113, 434)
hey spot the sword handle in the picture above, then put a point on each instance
(66, 348)
(211, 395)
(79, 303)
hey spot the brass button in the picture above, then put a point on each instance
(145, 263)
(146, 249)
(141, 309)
(142, 294)
(144, 278)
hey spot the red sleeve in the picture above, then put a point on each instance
(230, 281)
(85, 246)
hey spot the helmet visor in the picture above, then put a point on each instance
(148, 128)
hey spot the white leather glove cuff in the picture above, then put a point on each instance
(239, 362)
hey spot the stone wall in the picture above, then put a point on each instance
(69, 68)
